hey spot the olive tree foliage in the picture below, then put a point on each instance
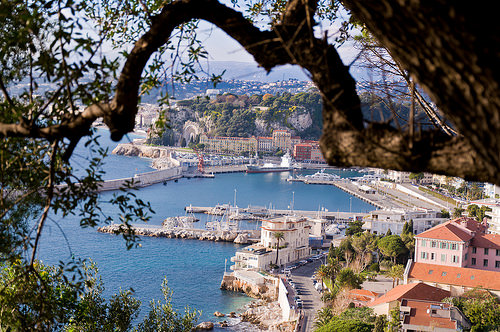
(46, 59)
(448, 49)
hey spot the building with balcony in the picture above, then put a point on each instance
(292, 247)
(282, 139)
(222, 144)
(380, 221)
(302, 151)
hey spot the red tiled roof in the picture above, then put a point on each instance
(414, 291)
(471, 224)
(447, 231)
(460, 276)
(363, 295)
(487, 241)
(420, 317)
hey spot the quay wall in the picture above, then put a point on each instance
(418, 195)
(143, 179)
(344, 187)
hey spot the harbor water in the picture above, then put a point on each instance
(194, 269)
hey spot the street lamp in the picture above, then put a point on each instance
(234, 197)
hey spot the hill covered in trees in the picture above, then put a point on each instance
(258, 115)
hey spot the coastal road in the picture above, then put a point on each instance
(311, 298)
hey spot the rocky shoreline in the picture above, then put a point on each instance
(239, 237)
(258, 315)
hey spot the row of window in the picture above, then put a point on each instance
(439, 244)
(432, 256)
(485, 263)
(486, 251)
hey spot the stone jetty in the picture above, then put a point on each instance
(240, 237)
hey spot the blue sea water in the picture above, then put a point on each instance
(194, 269)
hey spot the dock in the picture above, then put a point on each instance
(265, 213)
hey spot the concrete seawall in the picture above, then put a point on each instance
(143, 179)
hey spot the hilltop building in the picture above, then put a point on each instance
(461, 242)
(294, 245)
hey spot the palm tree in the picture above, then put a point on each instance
(321, 273)
(278, 236)
(396, 272)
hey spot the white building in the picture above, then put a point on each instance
(494, 214)
(491, 190)
(294, 245)
(404, 177)
(380, 221)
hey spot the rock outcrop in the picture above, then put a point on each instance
(267, 291)
(204, 326)
(241, 239)
(267, 315)
(219, 314)
(137, 150)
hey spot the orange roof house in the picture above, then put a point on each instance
(457, 280)
(415, 291)
(418, 315)
(361, 297)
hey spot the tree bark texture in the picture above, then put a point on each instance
(442, 46)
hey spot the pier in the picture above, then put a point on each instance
(265, 213)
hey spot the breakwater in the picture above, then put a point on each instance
(239, 237)
(143, 179)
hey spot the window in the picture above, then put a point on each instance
(432, 256)
(473, 261)
(423, 254)
(459, 275)
(497, 264)
(423, 243)
(430, 271)
(486, 251)
(485, 262)
(433, 244)
(498, 252)
(454, 246)
(474, 249)
(443, 258)
(466, 256)
(454, 259)
(443, 274)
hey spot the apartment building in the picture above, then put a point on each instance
(380, 221)
(237, 145)
(282, 139)
(294, 245)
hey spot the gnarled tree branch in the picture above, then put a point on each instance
(346, 141)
